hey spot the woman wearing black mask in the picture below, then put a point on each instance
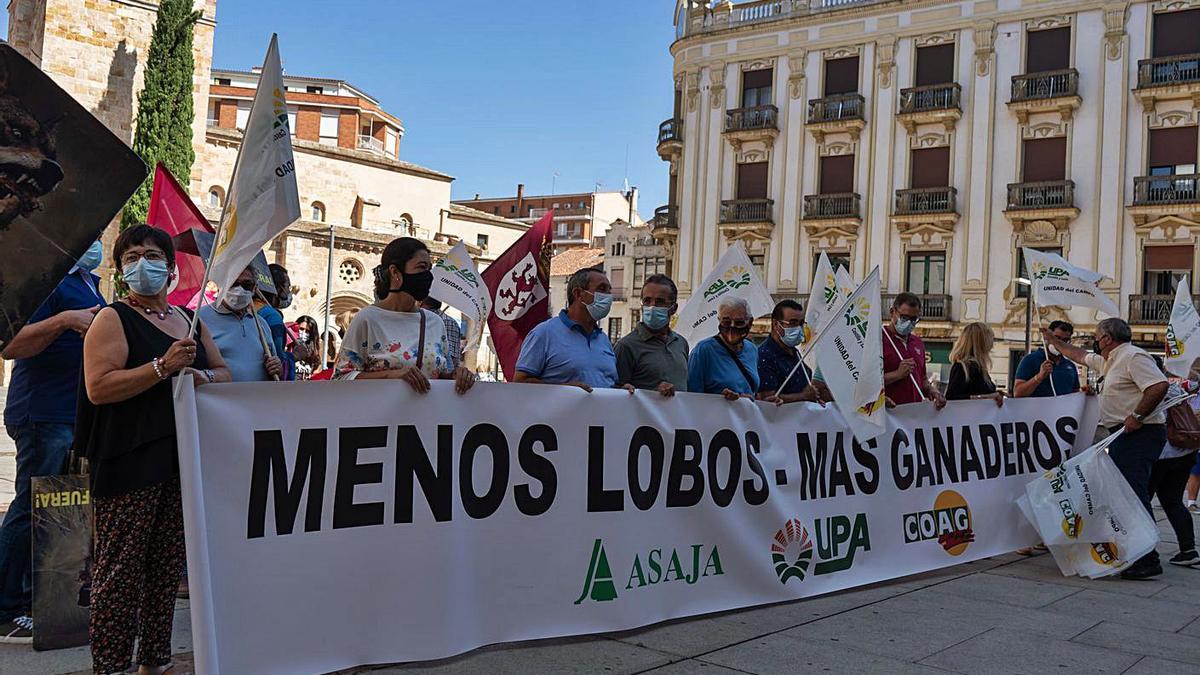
(394, 338)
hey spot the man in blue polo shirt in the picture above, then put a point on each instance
(571, 349)
(1039, 375)
(40, 417)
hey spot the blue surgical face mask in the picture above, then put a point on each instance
(656, 318)
(905, 326)
(601, 304)
(91, 258)
(146, 277)
(793, 335)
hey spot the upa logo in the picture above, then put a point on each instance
(649, 568)
(466, 275)
(1043, 270)
(830, 295)
(838, 539)
(949, 522)
(734, 277)
(857, 315)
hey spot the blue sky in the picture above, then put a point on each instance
(492, 92)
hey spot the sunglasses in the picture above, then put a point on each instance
(732, 323)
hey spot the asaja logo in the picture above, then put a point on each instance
(857, 315)
(838, 539)
(1106, 553)
(831, 290)
(658, 565)
(734, 277)
(949, 522)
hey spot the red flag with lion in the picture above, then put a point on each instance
(519, 282)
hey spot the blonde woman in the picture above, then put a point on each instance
(971, 361)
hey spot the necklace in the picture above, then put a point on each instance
(150, 311)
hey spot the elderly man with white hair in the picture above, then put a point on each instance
(726, 363)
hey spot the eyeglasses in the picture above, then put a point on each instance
(794, 323)
(914, 319)
(132, 257)
(734, 323)
(245, 285)
(655, 302)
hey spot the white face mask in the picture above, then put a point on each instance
(1052, 350)
(238, 298)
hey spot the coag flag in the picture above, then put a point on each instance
(734, 275)
(823, 298)
(519, 286)
(172, 211)
(263, 200)
(845, 282)
(1058, 282)
(849, 353)
(456, 282)
(1183, 332)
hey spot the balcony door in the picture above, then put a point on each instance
(756, 88)
(1163, 267)
(1044, 159)
(752, 180)
(931, 168)
(935, 65)
(841, 76)
(1048, 50)
(837, 174)
(1172, 151)
(1176, 33)
(927, 273)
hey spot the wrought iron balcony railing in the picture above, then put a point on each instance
(835, 205)
(933, 307)
(836, 108)
(931, 97)
(664, 216)
(917, 201)
(1167, 70)
(749, 119)
(671, 130)
(1051, 194)
(747, 211)
(1166, 190)
(1149, 309)
(1041, 86)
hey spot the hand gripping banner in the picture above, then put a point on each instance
(339, 524)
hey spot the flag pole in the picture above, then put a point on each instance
(911, 377)
(824, 329)
(204, 284)
(1038, 314)
(329, 283)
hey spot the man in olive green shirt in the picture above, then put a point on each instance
(653, 356)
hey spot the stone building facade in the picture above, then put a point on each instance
(934, 138)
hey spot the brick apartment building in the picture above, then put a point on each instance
(578, 217)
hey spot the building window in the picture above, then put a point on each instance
(224, 81)
(1176, 33)
(614, 328)
(931, 168)
(216, 196)
(1048, 50)
(582, 205)
(618, 249)
(243, 115)
(646, 267)
(495, 210)
(1172, 151)
(616, 277)
(350, 271)
(1044, 159)
(512, 209)
(927, 273)
(293, 111)
(756, 88)
(935, 65)
(752, 180)
(318, 212)
(329, 127)
(481, 240)
(1163, 267)
(1023, 273)
(837, 175)
(315, 90)
(406, 224)
(841, 76)
(836, 260)
(760, 264)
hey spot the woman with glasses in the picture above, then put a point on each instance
(126, 427)
(727, 363)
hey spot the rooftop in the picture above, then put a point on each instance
(256, 72)
(475, 214)
(723, 15)
(572, 260)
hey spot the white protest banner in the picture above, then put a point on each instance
(823, 296)
(335, 524)
(734, 275)
(1058, 282)
(845, 282)
(1183, 332)
(457, 283)
(849, 353)
(263, 200)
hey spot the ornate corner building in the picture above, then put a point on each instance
(934, 139)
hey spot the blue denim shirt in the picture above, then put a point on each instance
(558, 351)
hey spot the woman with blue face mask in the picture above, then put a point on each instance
(126, 427)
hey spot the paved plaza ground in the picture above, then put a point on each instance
(1007, 614)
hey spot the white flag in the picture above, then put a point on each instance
(1183, 332)
(845, 282)
(823, 296)
(849, 353)
(262, 200)
(457, 283)
(735, 276)
(1058, 282)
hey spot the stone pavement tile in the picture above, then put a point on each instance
(984, 613)
(1155, 666)
(691, 666)
(560, 655)
(786, 655)
(1003, 650)
(1154, 613)
(1007, 590)
(1146, 641)
(1051, 574)
(1186, 590)
(889, 632)
(1192, 628)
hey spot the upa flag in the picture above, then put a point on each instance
(733, 276)
(456, 282)
(823, 298)
(849, 353)
(845, 282)
(172, 211)
(1058, 282)
(263, 200)
(519, 286)
(1183, 332)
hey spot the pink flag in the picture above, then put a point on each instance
(172, 211)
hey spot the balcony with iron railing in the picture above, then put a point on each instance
(1166, 190)
(735, 211)
(370, 144)
(1047, 85)
(930, 104)
(670, 139)
(1152, 309)
(838, 205)
(762, 11)
(1166, 71)
(751, 124)
(933, 307)
(1039, 195)
(664, 216)
(924, 201)
(836, 108)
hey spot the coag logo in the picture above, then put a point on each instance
(1072, 522)
(658, 565)
(870, 408)
(1106, 553)
(949, 522)
(1175, 346)
(838, 539)
(734, 277)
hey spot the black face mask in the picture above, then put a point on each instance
(416, 285)
(1096, 348)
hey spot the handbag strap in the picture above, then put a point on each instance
(738, 362)
(421, 339)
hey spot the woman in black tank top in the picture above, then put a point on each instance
(126, 427)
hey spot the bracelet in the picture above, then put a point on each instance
(158, 368)
(210, 375)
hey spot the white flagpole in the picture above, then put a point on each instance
(329, 282)
(798, 365)
(1045, 350)
(910, 375)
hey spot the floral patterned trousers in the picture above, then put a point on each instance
(139, 560)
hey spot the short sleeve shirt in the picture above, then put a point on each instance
(239, 341)
(896, 349)
(711, 370)
(646, 359)
(381, 339)
(1064, 375)
(1128, 371)
(558, 351)
(775, 363)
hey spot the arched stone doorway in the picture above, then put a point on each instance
(344, 306)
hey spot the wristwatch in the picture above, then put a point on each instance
(1137, 417)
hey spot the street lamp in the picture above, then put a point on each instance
(1022, 281)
